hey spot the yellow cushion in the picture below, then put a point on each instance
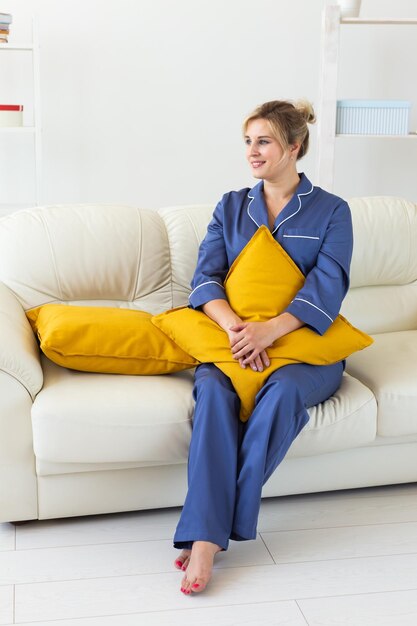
(106, 340)
(261, 282)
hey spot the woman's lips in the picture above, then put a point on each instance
(256, 164)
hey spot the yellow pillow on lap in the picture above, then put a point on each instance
(263, 279)
(261, 282)
(106, 340)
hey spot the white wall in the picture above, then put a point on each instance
(142, 101)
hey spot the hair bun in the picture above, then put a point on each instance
(306, 109)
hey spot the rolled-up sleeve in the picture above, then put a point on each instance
(212, 264)
(318, 302)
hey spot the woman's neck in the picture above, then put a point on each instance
(277, 194)
(280, 191)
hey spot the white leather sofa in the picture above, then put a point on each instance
(74, 443)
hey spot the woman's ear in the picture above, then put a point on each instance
(294, 150)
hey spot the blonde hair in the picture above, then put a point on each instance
(288, 122)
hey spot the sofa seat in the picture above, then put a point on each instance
(84, 418)
(86, 422)
(389, 368)
(346, 420)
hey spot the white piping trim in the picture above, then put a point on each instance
(253, 220)
(299, 207)
(301, 237)
(206, 283)
(316, 307)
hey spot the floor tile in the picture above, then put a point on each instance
(132, 526)
(323, 511)
(7, 537)
(269, 614)
(119, 559)
(398, 608)
(340, 543)
(257, 584)
(6, 605)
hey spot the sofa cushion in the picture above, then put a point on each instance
(91, 422)
(346, 420)
(260, 284)
(389, 369)
(81, 417)
(106, 339)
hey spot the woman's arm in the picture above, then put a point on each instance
(221, 312)
(212, 264)
(318, 302)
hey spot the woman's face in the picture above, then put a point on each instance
(266, 157)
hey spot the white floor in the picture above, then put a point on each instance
(342, 558)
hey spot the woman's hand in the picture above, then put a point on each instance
(232, 339)
(249, 341)
(221, 313)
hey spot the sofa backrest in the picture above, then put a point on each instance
(186, 228)
(102, 255)
(144, 259)
(383, 292)
(91, 254)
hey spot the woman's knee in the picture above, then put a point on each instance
(309, 384)
(216, 402)
(280, 384)
(211, 379)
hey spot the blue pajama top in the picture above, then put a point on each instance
(314, 228)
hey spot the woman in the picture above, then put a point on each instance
(229, 461)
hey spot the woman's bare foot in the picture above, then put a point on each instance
(182, 561)
(199, 567)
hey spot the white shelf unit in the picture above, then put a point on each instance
(326, 130)
(33, 49)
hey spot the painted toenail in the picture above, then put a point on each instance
(179, 563)
(195, 585)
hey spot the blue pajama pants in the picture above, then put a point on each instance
(229, 461)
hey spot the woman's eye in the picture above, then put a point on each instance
(247, 142)
(263, 142)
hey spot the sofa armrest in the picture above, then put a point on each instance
(19, 352)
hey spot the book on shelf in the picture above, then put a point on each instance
(5, 21)
(11, 115)
(11, 107)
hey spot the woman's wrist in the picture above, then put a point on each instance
(221, 312)
(284, 324)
